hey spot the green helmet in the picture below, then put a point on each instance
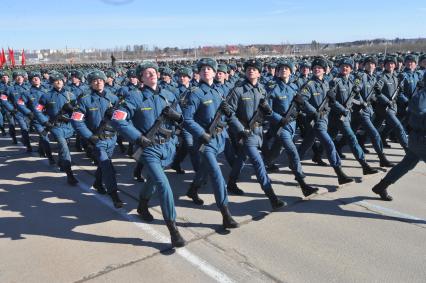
(146, 65)
(97, 74)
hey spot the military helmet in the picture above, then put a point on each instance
(34, 74)
(390, 59)
(253, 63)
(207, 62)
(17, 73)
(347, 61)
(410, 57)
(222, 68)
(146, 65)
(97, 74)
(305, 64)
(56, 76)
(184, 71)
(166, 71)
(370, 59)
(77, 74)
(4, 73)
(284, 62)
(110, 73)
(321, 62)
(131, 73)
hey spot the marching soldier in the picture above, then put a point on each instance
(135, 119)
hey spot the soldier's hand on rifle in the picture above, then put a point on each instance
(364, 105)
(378, 87)
(242, 136)
(205, 138)
(48, 126)
(93, 139)
(264, 107)
(331, 94)
(389, 103)
(401, 77)
(144, 141)
(356, 89)
(63, 119)
(172, 114)
(68, 108)
(284, 121)
(226, 109)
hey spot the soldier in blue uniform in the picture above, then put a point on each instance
(54, 110)
(77, 87)
(246, 99)
(166, 81)
(281, 93)
(14, 95)
(111, 84)
(200, 110)
(416, 150)
(315, 93)
(340, 115)
(386, 108)
(30, 99)
(91, 119)
(134, 119)
(4, 85)
(186, 144)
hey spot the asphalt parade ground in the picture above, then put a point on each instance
(53, 232)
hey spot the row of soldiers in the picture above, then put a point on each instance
(209, 109)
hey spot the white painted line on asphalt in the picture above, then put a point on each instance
(201, 264)
(388, 211)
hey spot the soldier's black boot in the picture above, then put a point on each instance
(40, 150)
(384, 162)
(70, 176)
(143, 210)
(228, 221)
(361, 141)
(384, 141)
(3, 131)
(306, 189)
(99, 187)
(177, 240)
(316, 158)
(276, 203)
(116, 201)
(366, 169)
(176, 166)
(270, 168)
(137, 173)
(233, 188)
(341, 176)
(381, 190)
(12, 133)
(130, 149)
(192, 193)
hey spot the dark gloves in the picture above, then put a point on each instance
(144, 141)
(172, 114)
(331, 94)
(93, 139)
(401, 77)
(68, 108)
(264, 107)
(378, 87)
(226, 109)
(63, 119)
(48, 126)
(243, 135)
(284, 121)
(205, 138)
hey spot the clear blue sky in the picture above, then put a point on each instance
(106, 24)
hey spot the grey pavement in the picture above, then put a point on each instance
(52, 232)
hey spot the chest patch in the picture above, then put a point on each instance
(119, 115)
(77, 116)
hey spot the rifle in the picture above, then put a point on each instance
(348, 103)
(155, 130)
(215, 124)
(395, 94)
(324, 105)
(291, 112)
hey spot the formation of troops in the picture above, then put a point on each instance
(250, 110)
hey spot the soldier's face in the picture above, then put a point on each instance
(305, 71)
(411, 65)
(5, 79)
(231, 72)
(221, 76)
(318, 71)
(370, 67)
(19, 79)
(390, 66)
(133, 80)
(284, 72)
(271, 71)
(207, 73)
(97, 85)
(149, 77)
(197, 76)
(58, 84)
(423, 63)
(184, 80)
(252, 73)
(345, 69)
(166, 78)
(36, 81)
(75, 80)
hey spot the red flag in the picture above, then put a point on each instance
(11, 57)
(3, 57)
(1, 61)
(23, 58)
